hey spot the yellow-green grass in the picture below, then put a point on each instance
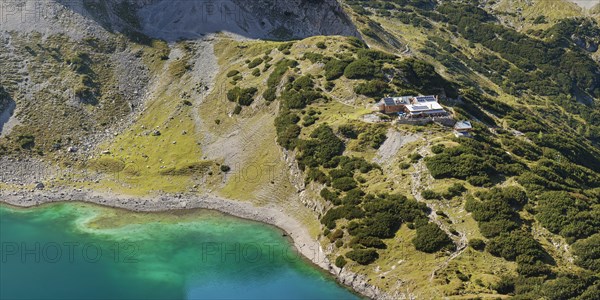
(148, 156)
(484, 271)
(553, 10)
(401, 267)
(58, 109)
(263, 162)
(261, 176)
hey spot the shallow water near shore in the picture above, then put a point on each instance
(81, 251)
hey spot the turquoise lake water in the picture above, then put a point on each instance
(78, 251)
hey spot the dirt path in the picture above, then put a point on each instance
(205, 70)
(422, 180)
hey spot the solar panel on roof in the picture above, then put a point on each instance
(426, 99)
(388, 101)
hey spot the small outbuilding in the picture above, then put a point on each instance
(463, 129)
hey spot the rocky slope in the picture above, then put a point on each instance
(181, 19)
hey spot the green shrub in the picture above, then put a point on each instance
(303, 83)
(437, 149)
(360, 69)
(323, 146)
(353, 197)
(477, 244)
(225, 168)
(329, 86)
(424, 77)
(344, 183)
(314, 174)
(26, 141)
(462, 276)
(340, 173)
(287, 129)
(516, 244)
(340, 261)
(565, 287)
(505, 285)
(330, 196)
(314, 57)
(237, 110)
(233, 73)
(285, 46)
(587, 252)
(533, 269)
(341, 212)
(242, 96)
(430, 238)
(373, 136)
(237, 78)
(415, 157)
(335, 235)
(490, 209)
(363, 256)
(294, 99)
(254, 63)
(563, 214)
(348, 131)
(375, 55)
(256, 72)
(321, 45)
(454, 190)
(334, 68)
(280, 68)
(540, 20)
(481, 180)
(430, 195)
(493, 228)
(356, 42)
(270, 94)
(373, 88)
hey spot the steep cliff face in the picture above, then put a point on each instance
(181, 19)
(267, 19)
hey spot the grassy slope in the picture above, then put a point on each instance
(147, 155)
(480, 266)
(524, 12)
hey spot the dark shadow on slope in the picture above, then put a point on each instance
(173, 20)
(6, 112)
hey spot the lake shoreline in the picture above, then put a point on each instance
(303, 242)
